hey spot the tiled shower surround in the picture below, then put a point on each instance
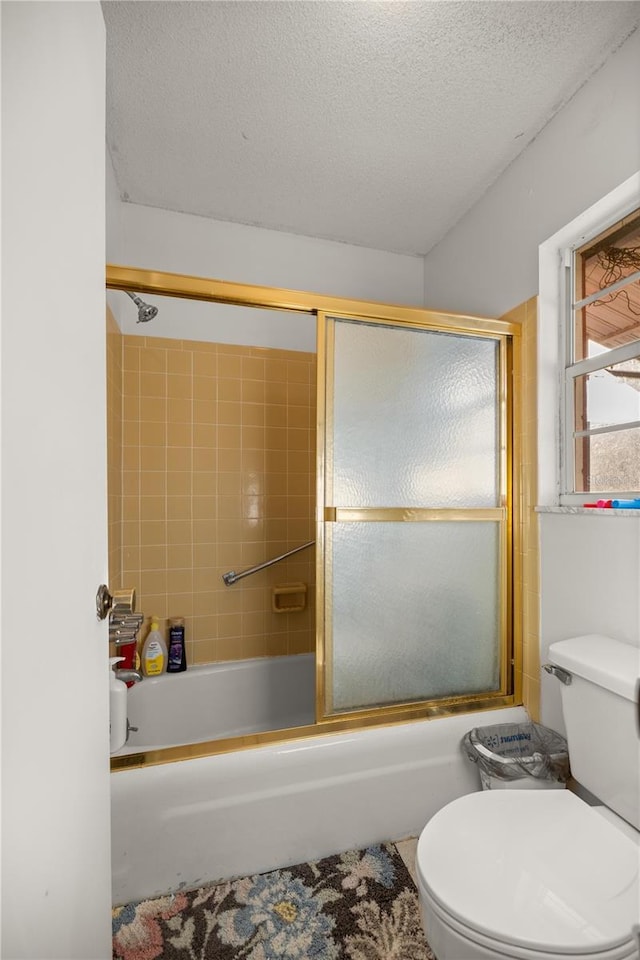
(218, 473)
(212, 468)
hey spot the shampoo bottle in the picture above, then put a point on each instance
(154, 652)
(117, 708)
(177, 650)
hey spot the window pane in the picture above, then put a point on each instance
(612, 256)
(415, 611)
(607, 323)
(608, 397)
(608, 462)
(613, 319)
(416, 416)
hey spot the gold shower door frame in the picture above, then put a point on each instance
(508, 514)
(328, 515)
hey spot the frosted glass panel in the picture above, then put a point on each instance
(415, 611)
(415, 418)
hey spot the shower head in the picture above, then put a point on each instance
(145, 311)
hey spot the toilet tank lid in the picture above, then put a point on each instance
(606, 662)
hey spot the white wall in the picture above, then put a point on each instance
(120, 305)
(113, 213)
(589, 583)
(55, 741)
(488, 262)
(157, 239)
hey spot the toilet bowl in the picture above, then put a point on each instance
(540, 874)
(528, 875)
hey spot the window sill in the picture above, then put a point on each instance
(583, 511)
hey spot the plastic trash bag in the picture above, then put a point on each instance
(521, 755)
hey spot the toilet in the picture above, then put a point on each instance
(544, 874)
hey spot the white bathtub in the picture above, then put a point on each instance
(221, 700)
(180, 825)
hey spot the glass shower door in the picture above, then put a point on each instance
(414, 525)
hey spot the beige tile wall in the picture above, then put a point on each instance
(218, 473)
(529, 582)
(114, 450)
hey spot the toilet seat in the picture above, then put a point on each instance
(532, 874)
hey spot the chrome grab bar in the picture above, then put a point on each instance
(231, 576)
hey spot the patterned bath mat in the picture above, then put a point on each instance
(359, 905)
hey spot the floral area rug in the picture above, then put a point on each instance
(359, 905)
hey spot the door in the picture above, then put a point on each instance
(55, 805)
(415, 516)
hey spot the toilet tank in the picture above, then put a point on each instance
(600, 707)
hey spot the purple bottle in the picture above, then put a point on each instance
(177, 661)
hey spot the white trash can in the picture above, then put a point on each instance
(520, 756)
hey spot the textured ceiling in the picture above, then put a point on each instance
(373, 123)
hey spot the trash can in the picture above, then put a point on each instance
(518, 756)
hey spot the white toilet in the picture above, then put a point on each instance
(541, 874)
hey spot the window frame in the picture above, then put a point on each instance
(569, 368)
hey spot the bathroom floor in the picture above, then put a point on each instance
(356, 905)
(407, 850)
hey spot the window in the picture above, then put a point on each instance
(602, 372)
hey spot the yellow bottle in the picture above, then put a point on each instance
(154, 652)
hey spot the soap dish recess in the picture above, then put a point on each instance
(289, 597)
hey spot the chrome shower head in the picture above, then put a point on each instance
(145, 311)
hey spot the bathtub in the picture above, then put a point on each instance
(219, 700)
(180, 825)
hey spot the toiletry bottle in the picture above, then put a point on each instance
(129, 653)
(154, 652)
(177, 650)
(117, 708)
